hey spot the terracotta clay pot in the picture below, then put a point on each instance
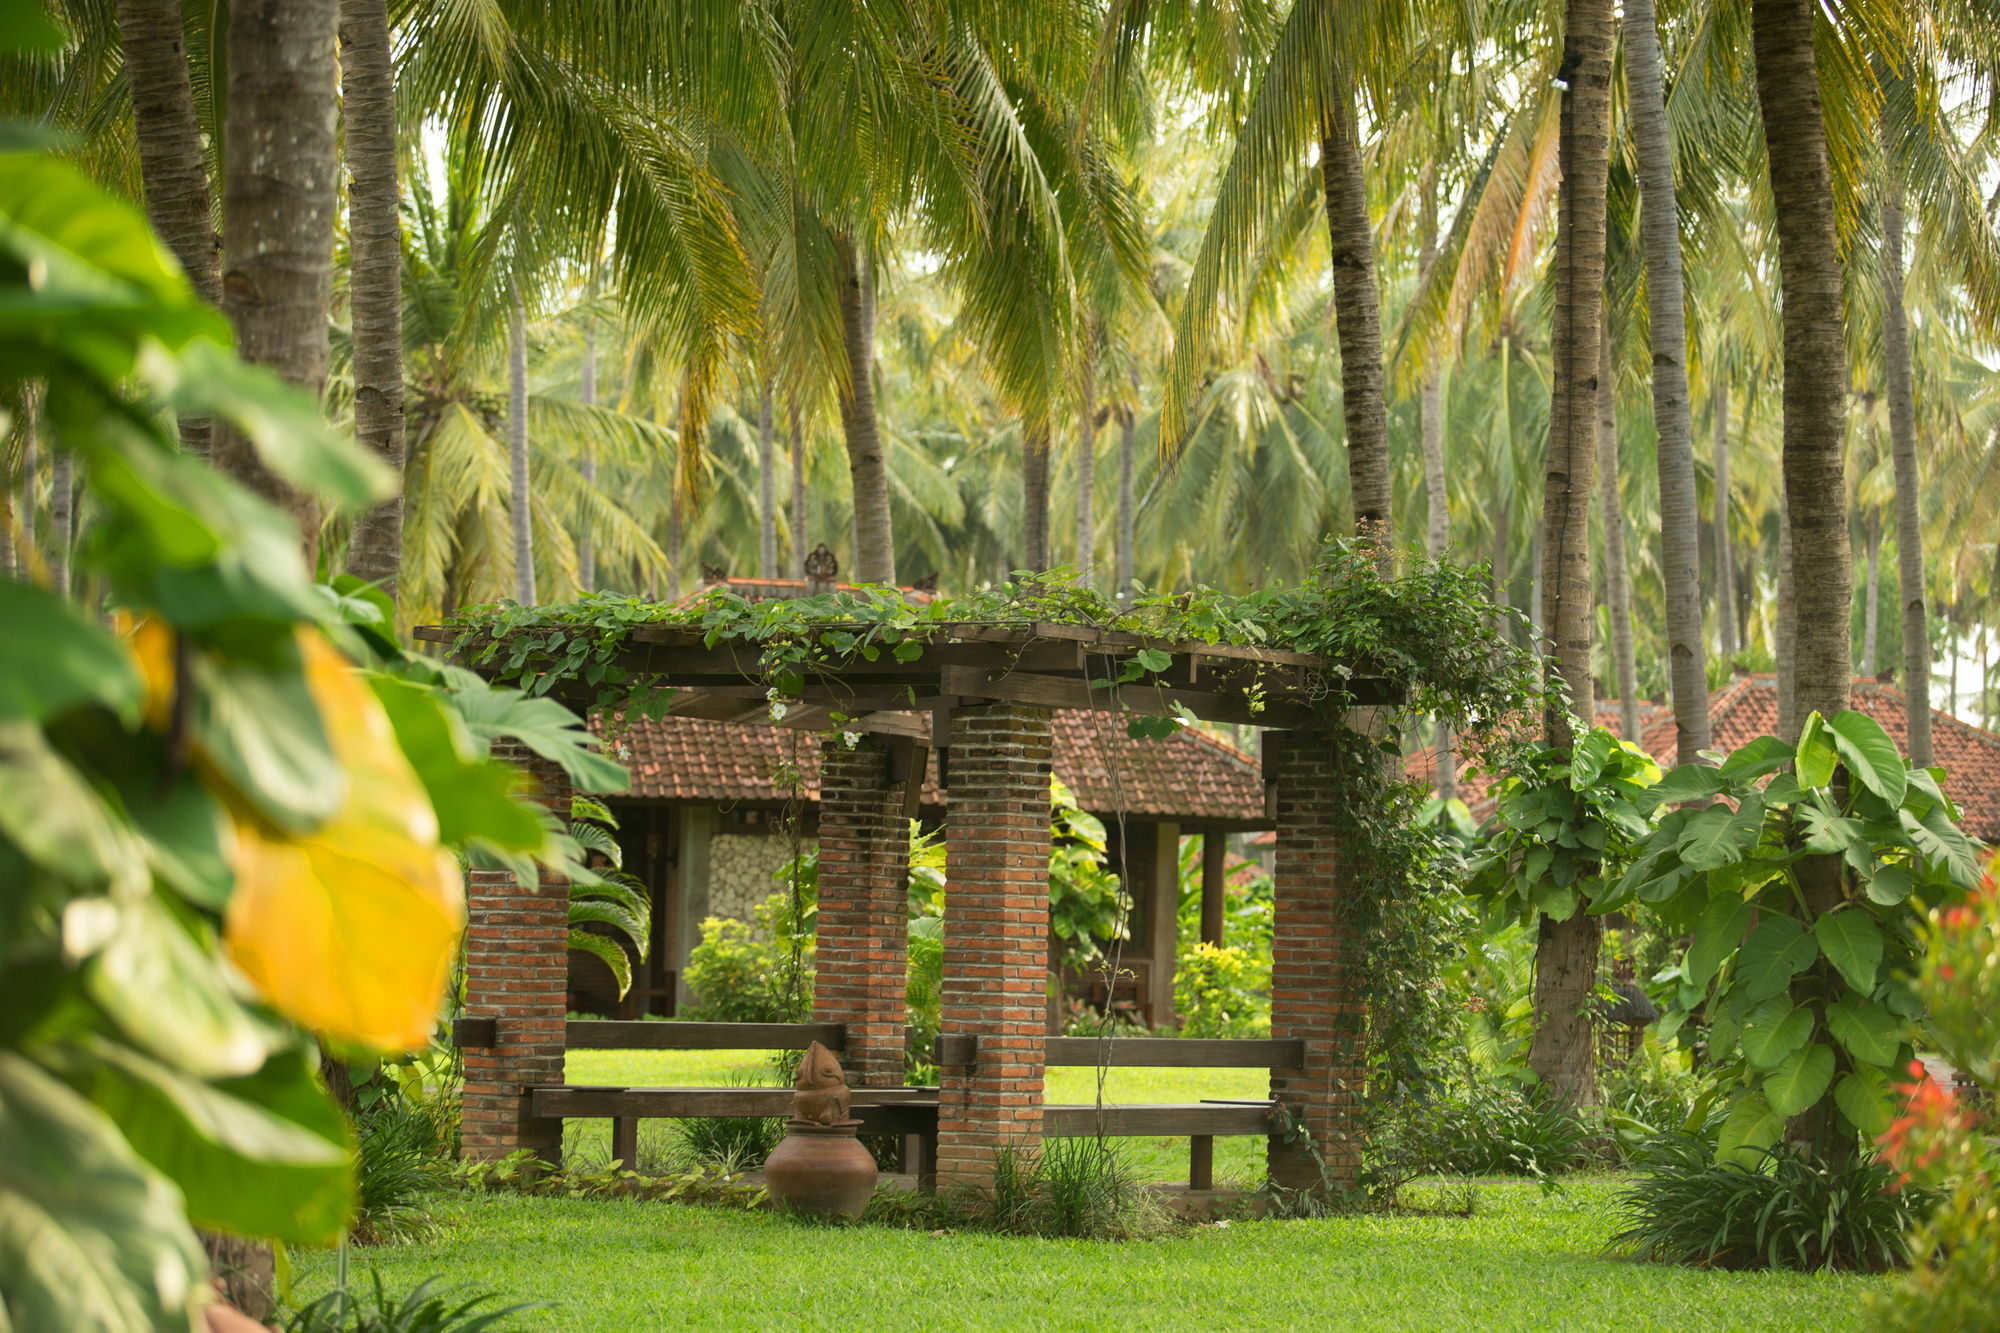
(821, 1169)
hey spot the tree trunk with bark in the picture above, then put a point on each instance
(767, 487)
(173, 171)
(278, 205)
(1903, 452)
(1617, 570)
(1725, 549)
(1357, 316)
(1086, 481)
(62, 518)
(521, 500)
(586, 545)
(800, 550)
(1660, 232)
(1035, 496)
(1128, 430)
(874, 534)
(375, 282)
(1437, 525)
(1562, 1050)
(1871, 600)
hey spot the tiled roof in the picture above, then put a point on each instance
(1190, 776)
(1421, 766)
(1747, 707)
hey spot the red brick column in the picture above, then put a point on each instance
(996, 927)
(1315, 978)
(863, 908)
(516, 973)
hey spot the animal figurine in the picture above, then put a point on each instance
(822, 1097)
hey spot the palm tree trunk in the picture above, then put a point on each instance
(1128, 430)
(1815, 408)
(1562, 1051)
(375, 283)
(586, 546)
(1725, 550)
(1503, 582)
(278, 205)
(1357, 316)
(62, 518)
(1430, 405)
(1617, 570)
(173, 172)
(874, 535)
(1086, 480)
(767, 487)
(1786, 649)
(1903, 451)
(1660, 231)
(1035, 495)
(1871, 605)
(798, 453)
(521, 502)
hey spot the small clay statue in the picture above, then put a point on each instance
(822, 1097)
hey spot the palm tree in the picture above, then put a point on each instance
(1661, 231)
(1617, 573)
(280, 170)
(1566, 959)
(520, 499)
(1903, 451)
(375, 283)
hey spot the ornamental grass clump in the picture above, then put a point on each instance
(1791, 1210)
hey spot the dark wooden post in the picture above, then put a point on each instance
(995, 938)
(1214, 884)
(517, 974)
(1315, 980)
(864, 910)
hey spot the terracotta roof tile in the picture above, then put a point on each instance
(1190, 776)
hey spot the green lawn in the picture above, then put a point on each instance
(1522, 1262)
(1238, 1161)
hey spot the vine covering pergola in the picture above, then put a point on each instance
(976, 698)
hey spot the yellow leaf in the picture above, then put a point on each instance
(350, 930)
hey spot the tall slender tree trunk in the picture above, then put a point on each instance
(62, 519)
(1660, 231)
(1725, 549)
(1815, 405)
(586, 545)
(1871, 604)
(375, 282)
(1357, 315)
(1903, 451)
(1786, 648)
(1086, 480)
(1035, 495)
(798, 455)
(1503, 537)
(1128, 430)
(1617, 570)
(1562, 1050)
(767, 487)
(278, 208)
(173, 172)
(1437, 515)
(874, 535)
(521, 499)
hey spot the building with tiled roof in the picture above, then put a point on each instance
(704, 825)
(1747, 707)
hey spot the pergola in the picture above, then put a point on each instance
(977, 699)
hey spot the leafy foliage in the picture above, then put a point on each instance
(425, 1308)
(1223, 991)
(613, 900)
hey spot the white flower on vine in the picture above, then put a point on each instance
(850, 739)
(778, 710)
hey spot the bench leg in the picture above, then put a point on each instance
(920, 1160)
(1201, 1161)
(625, 1141)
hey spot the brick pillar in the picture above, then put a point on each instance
(863, 908)
(516, 973)
(996, 926)
(1315, 979)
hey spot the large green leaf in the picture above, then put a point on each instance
(1869, 1031)
(245, 1167)
(258, 724)
(1710, 839)
(1872, 759)
(53, 658)
(82, 239)
(1852, 942)
(607, 950)
(1765, 754)
(1863, 1097)
(1750, 1127)
(57, 820)
(545, 727)
(475, 798)
(169, 994)
(1689, 782)
(1890, 885)
(1777, 950)
(1943, 844)
(90, 1236)
(1800, 1081)
(1774, 1030)
(1816, 758)
(1721, 929)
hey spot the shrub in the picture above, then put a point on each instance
(1223, 991)
(1792, 1210)
(425, 1308)
(399, 1145)
(741, 975)
(1079, 1188)
(730, 1143)
(1491, 1130)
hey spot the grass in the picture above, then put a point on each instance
(1238, 1160)
(1522, 1262)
